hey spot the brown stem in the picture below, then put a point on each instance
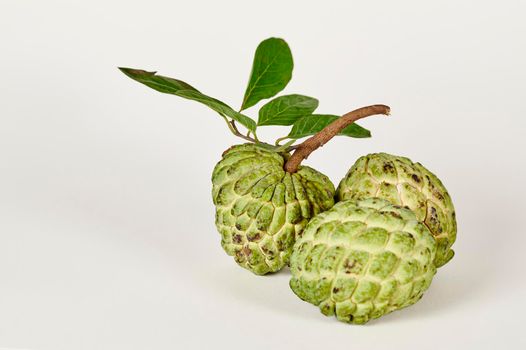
(311, 144)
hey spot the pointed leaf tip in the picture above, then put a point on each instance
(271, 71)
(135, 72)
(180, 88)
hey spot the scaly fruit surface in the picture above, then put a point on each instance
(363, 259)
(402, 182)
(261, 209)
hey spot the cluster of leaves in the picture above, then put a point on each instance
(271, 72)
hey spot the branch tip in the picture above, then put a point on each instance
(304, 149)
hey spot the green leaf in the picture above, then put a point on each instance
(311, 124)
(271, 71)
(182, 89)
(285, 110)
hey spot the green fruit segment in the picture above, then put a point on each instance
(363, 259)
(402, 182)
(261, 209)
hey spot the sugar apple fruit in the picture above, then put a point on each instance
(407, 184)
(363, 259)
(261, 209)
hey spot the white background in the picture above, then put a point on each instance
(107, 237)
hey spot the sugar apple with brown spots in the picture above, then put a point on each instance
(402, 182)
(261, 208)
(363, 259)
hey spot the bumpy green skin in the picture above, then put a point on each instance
(261, 209)
(363, 259)
(407, 184)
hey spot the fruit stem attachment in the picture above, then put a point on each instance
(304, 149)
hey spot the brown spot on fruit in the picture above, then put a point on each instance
(254, 238)
(348, 265)
(239, 256)
(246, 250)
(416, 178)
(388, 168)
(237, 239)
(433, 219)
(268, 252)
(396, 215)
(438, 195)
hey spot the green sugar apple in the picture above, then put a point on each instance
(261, 209)
(363, 259)
(402, 182)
